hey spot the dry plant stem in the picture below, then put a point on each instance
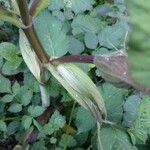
(31, 33)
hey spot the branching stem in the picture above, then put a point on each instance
(31, 33)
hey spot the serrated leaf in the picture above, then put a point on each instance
(112, 36)
(117, 139)
(7, 98)
(56, 5)
(3, 126)
(86, 23)
(49, 30)
(9, 52)
(29, 56)
(26, 98)
(114, 100)
(35, 111)
(5, 85)
(26, 122)
(10, 17)
(71, 142)
(141, 127)
(16, 88)
(39, 145)
(84, 120)
(75, 46)
(130, 108)
(78, 6)
(138, 44)
(15, 108)
(91, 40)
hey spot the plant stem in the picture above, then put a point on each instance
(70, 119)
(33, 7)
(73, 58)
(31, 33)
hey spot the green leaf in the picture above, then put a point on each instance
(7, 98)
(114, 100)
(75, 46)
(35, 111)
(79, 6)
(115, 139)
(3, 126)
(26, 122)
(9, 52)
(86, 23)
(84, 120)
(29, 56)
(112, 36)
(10, 17)
(91, 40)
(141, 128)
(39, 145)
(16, 88)
(26, 97)
(15, 108)
(139, 34)
(71, 142)
(56, 4)
(53, 140)
(5, 85)
(130, 108)
(49, 30)
(13, 127)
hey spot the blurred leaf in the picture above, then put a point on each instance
(10, 17)
(71, 142)
(49, 30)
(114, 100)
(56, 4)
(16, 88)
(26, 97)
(84, 120)
(15, 108)
(5, 85)
(86, 23)
(13, 127)
(91, 40)
(130, 108)
(26, 122)
(7, 98)
(117, 139)
(141, 128)
(3, 126)
(35, 111)
(78, 6)
(139, 44)
(39, 145)
(75, 46)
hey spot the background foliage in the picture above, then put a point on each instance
(93, 27)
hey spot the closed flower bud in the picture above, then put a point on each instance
(80, 87)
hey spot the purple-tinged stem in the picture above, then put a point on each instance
(73, 59)
(33, 7)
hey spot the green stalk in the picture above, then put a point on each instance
(30, 32)
(70, 119)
